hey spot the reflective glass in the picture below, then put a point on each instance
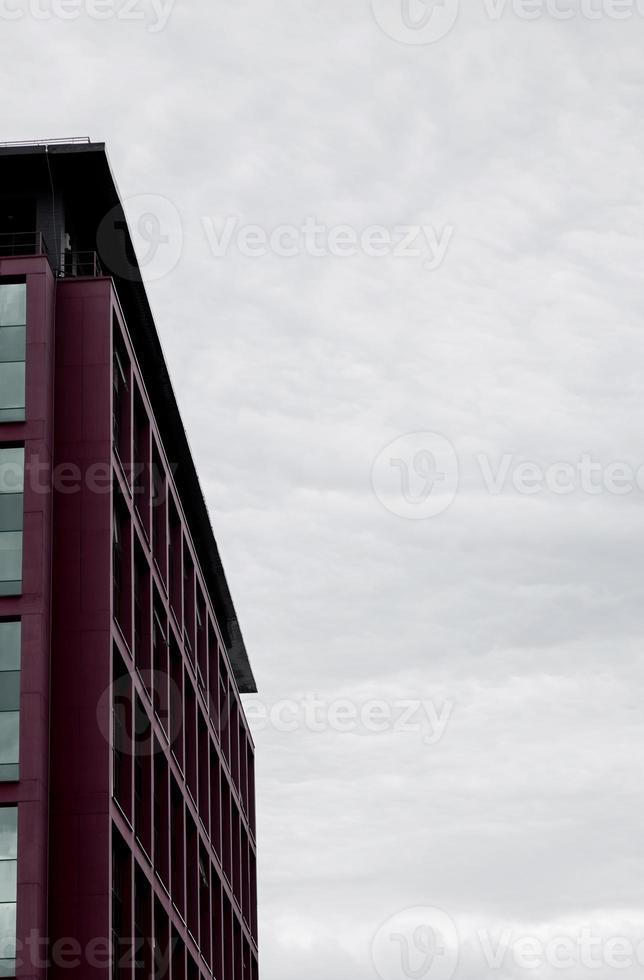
(12, 343)
(12, 390)
(10, 690)
(10, 556)
(11, 511)
(10, 645)
(7, 930)
(13, 304)
(8, 882)
(12, 469)
(9, 737)
(8, 833)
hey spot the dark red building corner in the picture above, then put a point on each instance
(127, 804)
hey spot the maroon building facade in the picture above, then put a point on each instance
(127, 801)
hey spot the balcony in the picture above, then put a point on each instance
(77, 264)
(22, 243)
(70, 264)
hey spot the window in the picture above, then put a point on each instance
(141, 469)
(159, 515)
(8, 889)
(122, 730)
(122, 945)
(121, 568)
(160, 667)
(121, 405)
(202, 644)
(9, 700)
(13, 319)
(174, 560)
(142, 651)
(12, 467)
(142, 925)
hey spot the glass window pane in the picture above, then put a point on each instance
(9, 737)
(10, 690)
(8, 930)
(8, 881)
(10, 556)
(12, 385)
(12, 469)
(13, 304)
(11, 511)
(12, 343)
(9, 774)
(12, 415)
(8, 833)
(10, 645)
(7, 969)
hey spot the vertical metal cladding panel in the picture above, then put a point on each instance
(80, 761)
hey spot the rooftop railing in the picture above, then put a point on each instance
(76, 264)
(70, 264)
(55, 142)
(22, 243)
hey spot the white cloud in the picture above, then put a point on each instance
(293, 374)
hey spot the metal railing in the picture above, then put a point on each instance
(55, 142)
(70, 264)
(76, 264)
(22, 243)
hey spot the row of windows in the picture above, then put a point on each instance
(13, 320)
(9, 699)
(12, 467)
(8, 888)
(137, 602)
(152, 799)
(158, 950)
(188, 821)
(181, 701)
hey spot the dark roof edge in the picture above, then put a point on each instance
(136, 307)
(189, 485)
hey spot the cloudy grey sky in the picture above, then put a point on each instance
(514, 615)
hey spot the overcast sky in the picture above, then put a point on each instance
(506, 598)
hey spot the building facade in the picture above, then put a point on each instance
(127, 795)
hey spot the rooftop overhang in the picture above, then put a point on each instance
(80, 172)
